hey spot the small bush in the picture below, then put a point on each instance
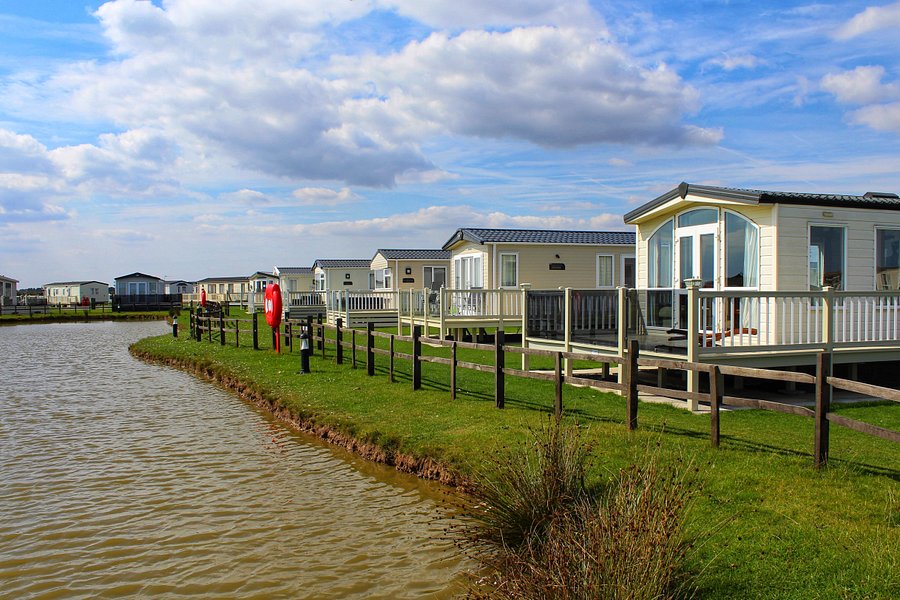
(544, 535)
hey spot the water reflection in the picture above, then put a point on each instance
(124, 479)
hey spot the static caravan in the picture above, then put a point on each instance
(8, 291)
(76, 292)
(139, 284)
(333, 275)
(294, 279)
(395, 269)
(541, 258)
(180, 286)
(232, 290)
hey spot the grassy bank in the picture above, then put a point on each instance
(72, 316)
(771, 526)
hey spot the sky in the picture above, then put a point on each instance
(197, 138)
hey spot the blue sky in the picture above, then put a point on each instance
(191, 138)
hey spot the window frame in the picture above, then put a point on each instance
(725, 285)
(843, 227)
(878, 229)
(500, 270)
(612, 271)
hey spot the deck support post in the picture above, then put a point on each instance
(442, 305)
(567, 334)
(622, 333)
(525, 357)
(693, 333)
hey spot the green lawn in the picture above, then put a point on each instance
(767, 523)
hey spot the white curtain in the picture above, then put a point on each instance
(751, 255)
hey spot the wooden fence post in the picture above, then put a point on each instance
(453, 370)
(339, 342)
(417, 352)
(322, 338)
(321, 342)
(209, 328)
(558, 381)
(370, 352)
(499, 363)
(631, 383)
(255, 332)
(237, 333)
(289, 336)
(274, 339)
(391, 360)
(715, 400)
(353, 348)
(823, 406)
(190, 323)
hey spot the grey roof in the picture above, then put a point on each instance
(541, 236)
(144, 275)
(342, 263)
(217, 279)
(294, 270)
(4, 277)
(414, 254)
(879, 200)
(264, 274)
(75, 283)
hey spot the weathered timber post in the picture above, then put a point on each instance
(453, 370)
(175, 327)
(823, 406)
(391, 360)
(499, 363)
(309, 331)
(190, 324)
(417, 352)
(255, 332)
(222, 328)
(370, 352)
(321, 341)
(237, 333)
(558, 383)
(209, 327)
(322, 338)
(631, 382)
(353, 348)
(568, 325)
(715, 400)
(339, 341)
(274, 339)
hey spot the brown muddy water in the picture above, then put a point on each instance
(122, 479)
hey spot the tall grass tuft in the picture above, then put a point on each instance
(544, 535)
(518, 501)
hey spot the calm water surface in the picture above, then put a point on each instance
(122, 479)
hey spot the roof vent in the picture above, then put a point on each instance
(887, 195)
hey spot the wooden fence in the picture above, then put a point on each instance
(364, 341)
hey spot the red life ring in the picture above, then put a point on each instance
(273, 305)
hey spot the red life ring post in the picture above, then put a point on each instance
(273, 312)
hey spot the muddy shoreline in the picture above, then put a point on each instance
(425, 468)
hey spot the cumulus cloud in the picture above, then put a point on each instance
(880, 109)
(871, 19)
(324, 196)
(550, 86)
(481, 14)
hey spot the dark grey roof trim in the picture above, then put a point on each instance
(540, 236)
(74, 283)
(294, 270)
(342, 263)
(414, 254)
(877, 200)
(137, 275)
(222, 279)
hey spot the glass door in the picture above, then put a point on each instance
(696, 259)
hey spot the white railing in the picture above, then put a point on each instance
(304, 298)
(482, 303)
(746, 320)
(369, 300)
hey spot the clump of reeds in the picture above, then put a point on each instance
(542, 534)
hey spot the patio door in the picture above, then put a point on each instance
(695, 256)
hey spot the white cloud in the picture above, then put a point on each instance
(871, 19)
(325, 196)
(550, 86)
(729, 62)
(480, 14)
(881, 117)
(862, 85)
(245, 196)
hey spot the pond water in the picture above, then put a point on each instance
(124, 479)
